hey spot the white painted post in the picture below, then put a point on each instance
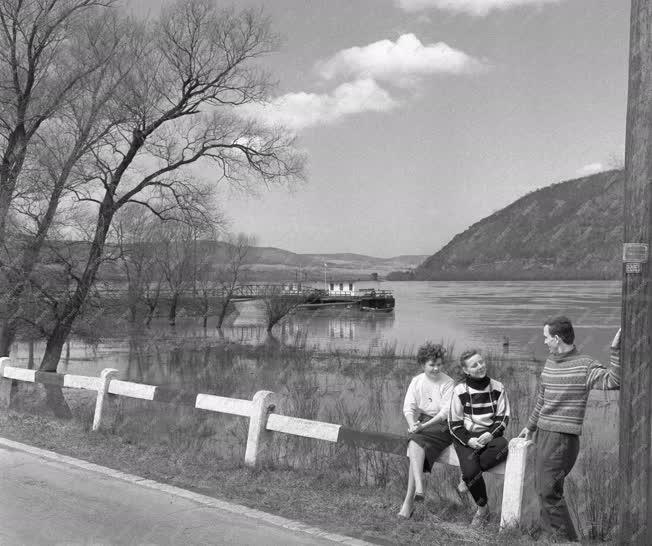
(5, 384)
(105, 380)
(515, 466)
(263, 405)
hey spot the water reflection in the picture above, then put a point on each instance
(327, 328)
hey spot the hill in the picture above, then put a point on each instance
(268, 263)
(275, 264)
(570, 230)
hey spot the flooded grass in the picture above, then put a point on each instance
(348, 489)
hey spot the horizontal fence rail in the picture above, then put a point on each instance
(263, 421)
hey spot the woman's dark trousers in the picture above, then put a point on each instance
(474, 462)
(556, 454)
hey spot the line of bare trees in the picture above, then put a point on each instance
(103, 117)
(170, 260)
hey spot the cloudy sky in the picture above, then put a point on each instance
(421, 117)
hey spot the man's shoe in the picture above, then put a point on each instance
(480, 519)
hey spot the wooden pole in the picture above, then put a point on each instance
(635, 486)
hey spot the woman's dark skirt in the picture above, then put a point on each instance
(433, 439)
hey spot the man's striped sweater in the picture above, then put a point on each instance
(564, 387)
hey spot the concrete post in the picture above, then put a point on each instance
(105, 377)
(263, 405)
(515, 466)
(5, 384)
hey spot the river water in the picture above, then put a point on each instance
(464, 314)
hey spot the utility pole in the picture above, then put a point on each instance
(635, 485)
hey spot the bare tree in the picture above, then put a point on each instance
(176, 258)
(41, 66)
(230, 273)
(137, 257)
(182, 102)
(279, 302)
(48, 173)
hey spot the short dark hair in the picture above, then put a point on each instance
(563, 327)
(466, 355)
(430, 351)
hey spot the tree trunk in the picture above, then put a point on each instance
(19, 278)
(150, 313)
(205, 307)
(30, 361)
(223, 312)
(132, 305)
(7, 335)
(75, 302)
(172, 317)
(56, 402)
(5, 200)
(12, 164)
(53, 394)
(12, 309)
(54, 346)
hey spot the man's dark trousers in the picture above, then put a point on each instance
(556, 453)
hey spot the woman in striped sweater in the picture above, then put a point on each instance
(479, 413)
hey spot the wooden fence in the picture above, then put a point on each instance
(262, 421)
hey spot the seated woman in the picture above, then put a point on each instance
(426, 411)
(479, 413)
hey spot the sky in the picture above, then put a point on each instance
(421, 117)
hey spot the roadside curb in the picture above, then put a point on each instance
(184, 493)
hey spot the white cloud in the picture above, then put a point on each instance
(300, 110)
(591, 168)
(399, 62)
(472, 7)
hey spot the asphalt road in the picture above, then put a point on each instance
(44, 502)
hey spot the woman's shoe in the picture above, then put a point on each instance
(462, 491)
(419, 497)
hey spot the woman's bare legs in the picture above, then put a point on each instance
(417, 457)
(408, 503)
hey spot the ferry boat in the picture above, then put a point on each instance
(348, 295)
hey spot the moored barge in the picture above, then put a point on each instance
(348, 295)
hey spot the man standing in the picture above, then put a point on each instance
(558, 415)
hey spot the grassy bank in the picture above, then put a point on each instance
(340, 488)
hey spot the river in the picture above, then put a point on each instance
(465, 314)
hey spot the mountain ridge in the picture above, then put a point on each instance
(568, 230)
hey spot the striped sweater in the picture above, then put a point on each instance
(564, 387)
(478, 406)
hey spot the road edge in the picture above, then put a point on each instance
(205, 500)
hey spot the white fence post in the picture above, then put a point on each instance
(263, 405)
(5, 384)
(105, 377)
(515, 466)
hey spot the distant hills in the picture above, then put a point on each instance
(275, 264)
(267, 263)
(570, 230)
